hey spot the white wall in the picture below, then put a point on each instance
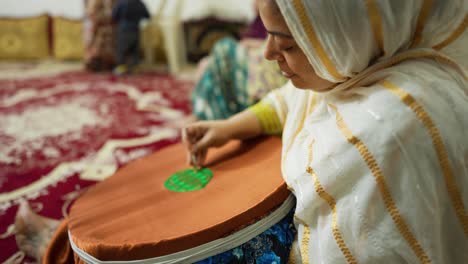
(192, 9)
(233, 10)
(26, 8)
(66, 8)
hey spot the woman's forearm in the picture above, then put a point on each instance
(243, 125)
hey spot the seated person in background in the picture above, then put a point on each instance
(234, 76)
(99, 36)
(128, 14)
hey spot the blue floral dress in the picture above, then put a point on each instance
(271, 246)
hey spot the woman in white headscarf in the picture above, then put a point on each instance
(374, 126)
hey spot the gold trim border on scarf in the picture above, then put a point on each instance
(304, 247)
(439, 146)
(311, 103)
(376, 24)
(423, 14)
(312, 36)
(332, 203)
(383, 188)
(292, 257)
(412, 54)
(455, 34)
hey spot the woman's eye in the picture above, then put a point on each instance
(288, 48)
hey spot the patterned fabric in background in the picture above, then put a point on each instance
(99, 36)
(271, 246)
(235, 78)
(264, 75)
(221, 91)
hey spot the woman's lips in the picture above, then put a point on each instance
(287, 74)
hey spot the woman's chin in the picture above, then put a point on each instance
(300, 84)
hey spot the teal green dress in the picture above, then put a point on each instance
(221, 91)
(235, 78)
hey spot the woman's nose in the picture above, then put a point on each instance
(270, 50)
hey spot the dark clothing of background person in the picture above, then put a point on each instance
(128, 14)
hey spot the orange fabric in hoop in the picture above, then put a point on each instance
(132, 216)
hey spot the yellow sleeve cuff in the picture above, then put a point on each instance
(268, 118)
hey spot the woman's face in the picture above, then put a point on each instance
(282, 47)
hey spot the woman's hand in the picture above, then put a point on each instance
(200, 136)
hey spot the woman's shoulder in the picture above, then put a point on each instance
(424, 83)
(414, 99)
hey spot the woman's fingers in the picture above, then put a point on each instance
(187, 139)
(199, 158)
(198, 138)
(196, 159)
(191, 137)
(193, 160)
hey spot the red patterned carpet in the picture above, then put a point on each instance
(61, 133)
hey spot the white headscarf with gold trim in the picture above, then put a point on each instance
(379, 165)
(342, 38)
